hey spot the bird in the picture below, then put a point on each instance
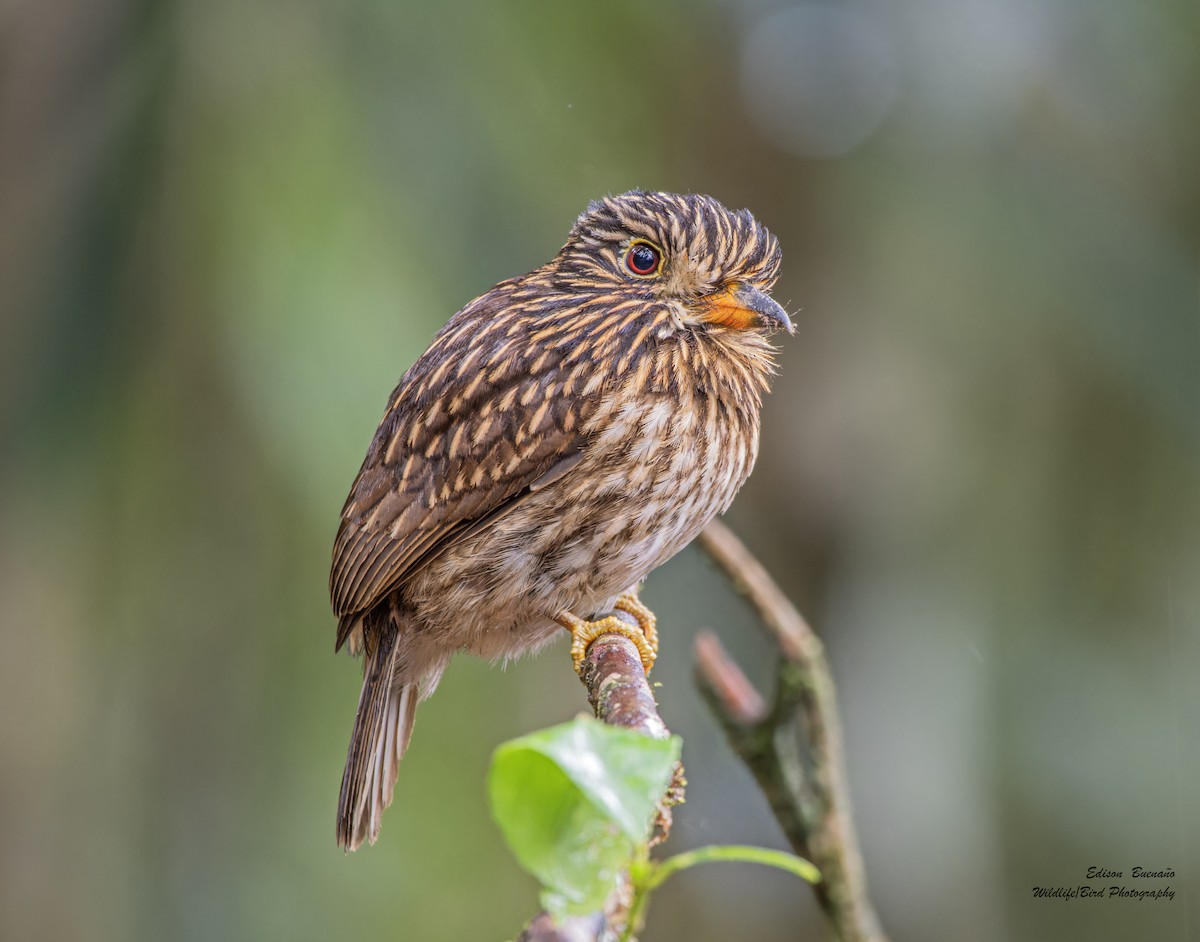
(564, 434)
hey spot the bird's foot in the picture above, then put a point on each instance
(644, 636)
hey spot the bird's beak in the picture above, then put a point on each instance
(742, 307)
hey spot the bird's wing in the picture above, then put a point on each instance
(487, 416)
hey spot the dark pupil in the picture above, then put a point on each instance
(643, 259)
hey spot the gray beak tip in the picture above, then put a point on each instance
(770, 313)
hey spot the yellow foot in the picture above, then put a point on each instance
(645, 636)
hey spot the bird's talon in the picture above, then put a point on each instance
(629, 603)
(644, 636)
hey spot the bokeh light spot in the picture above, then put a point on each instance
(818, 80)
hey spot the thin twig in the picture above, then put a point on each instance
(620, 695)
(794, 746)
(617, 686)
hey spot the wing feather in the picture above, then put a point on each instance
(453, 452)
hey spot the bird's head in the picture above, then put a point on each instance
(714, 267)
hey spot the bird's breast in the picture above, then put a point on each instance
(657, 467)
(671, 462)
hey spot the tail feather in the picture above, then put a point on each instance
(382, 729)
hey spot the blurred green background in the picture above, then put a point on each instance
(227, 227)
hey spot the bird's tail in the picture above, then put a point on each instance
(382, 728)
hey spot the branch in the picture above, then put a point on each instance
(794, 745)
(617, 686)
(620, 696)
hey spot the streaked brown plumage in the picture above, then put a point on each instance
(564, 434)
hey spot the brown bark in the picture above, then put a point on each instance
(620, 695)
(793, 745)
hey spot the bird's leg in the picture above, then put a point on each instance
(644, 636)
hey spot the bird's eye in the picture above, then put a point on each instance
(643, 259)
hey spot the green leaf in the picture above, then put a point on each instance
(575, 803)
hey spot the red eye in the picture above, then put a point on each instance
(643, 259)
